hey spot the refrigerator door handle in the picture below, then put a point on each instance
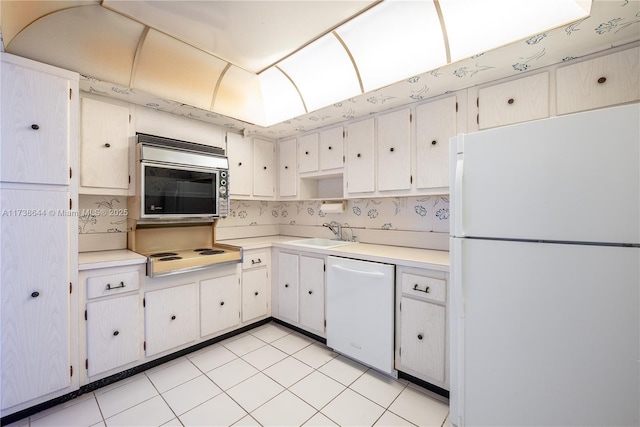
(457, 197)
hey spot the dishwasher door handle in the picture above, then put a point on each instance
(365, 273)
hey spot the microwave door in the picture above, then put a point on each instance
(195, 197)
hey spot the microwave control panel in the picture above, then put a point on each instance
(223, 194)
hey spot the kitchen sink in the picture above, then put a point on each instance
(318, 242)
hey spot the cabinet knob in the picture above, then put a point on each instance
(107, 145)
(602, 80)
(286, 285)
(310, 292)
(35, 127)
(391, 149)
(173, 317)
(358, 155)
(116, 333)
(434, 142)
(511, 101)
(419, 336)
(330, 148)
(221, 302)
(35, 294)
(239, 163)
(286, 167)
(265, 168)
(256, 293)
(306, 153)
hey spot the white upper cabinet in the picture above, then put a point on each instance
(287, 173)
(514, 101)
(600, 82)
(436, 123)
(263, 168)
(331, 149)
(394, 151)
(105, 137)
(308, 154)
(361, 157)
(35, 133)
(240, 164)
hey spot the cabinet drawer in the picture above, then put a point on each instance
(255, 259)
(424, 287)
(600, 82)
(514, 101)
(112, 284)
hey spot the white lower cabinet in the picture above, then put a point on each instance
(256, 295)
(421, 325)
(300, 291)
(113, 333)
(170, 318)
(219, 304)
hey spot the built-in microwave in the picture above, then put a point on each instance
(179, 180)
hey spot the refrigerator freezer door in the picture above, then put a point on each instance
(569, 178)
(551, 334)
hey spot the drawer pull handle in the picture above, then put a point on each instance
(35, 294)
(173, 317)
(511, 101)
(419, 336)
(109, 287)
(415, 288)
(310, 292)
(116, 333)
(602, 80)
(258, 261)
(256, 293)
(35, 127)
(221, 302)
(107, 145)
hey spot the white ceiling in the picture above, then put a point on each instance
(252, 35)
(157, 53)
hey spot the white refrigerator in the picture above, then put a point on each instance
(545, 272)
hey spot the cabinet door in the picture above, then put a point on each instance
(394, 151)
(514, 101)
(104, 145)
(254, 294)
(331, 148)
(423, 338)
(312, 293)
(219, 304)
(287, 174)
(113, 333)
(240, 164)
(288, 286)
(436, 123)
(35, 127)
(308, 154)
(170, 318)
(600, 82)
(34, 308)
(360, 157)
(263, 170)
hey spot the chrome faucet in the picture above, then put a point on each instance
(335, 227)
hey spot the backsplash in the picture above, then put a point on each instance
(103, 214)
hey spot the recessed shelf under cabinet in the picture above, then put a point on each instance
(322, 187)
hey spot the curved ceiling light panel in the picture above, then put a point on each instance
(393, 41)
(474, 27)
(281, 99)
(323, 73)
(238, 95)
(88, 39)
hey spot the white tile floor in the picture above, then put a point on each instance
(269, 376)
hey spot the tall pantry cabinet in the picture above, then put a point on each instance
(38, 196)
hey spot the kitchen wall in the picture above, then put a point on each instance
(413, 214)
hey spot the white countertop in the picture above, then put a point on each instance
(105, 259)
(410, 257)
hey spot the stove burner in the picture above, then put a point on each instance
(211, 252)
(163, 254)
(202, 249)
(170, 258)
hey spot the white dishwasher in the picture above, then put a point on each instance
(360, 311)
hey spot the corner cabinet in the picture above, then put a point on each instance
(38, 261)
(421, 325)
(106, 145)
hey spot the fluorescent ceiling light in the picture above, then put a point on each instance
(281, 99)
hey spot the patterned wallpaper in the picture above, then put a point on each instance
(612, 23)
(425, 213)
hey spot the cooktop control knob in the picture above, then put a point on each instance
(223, 190)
